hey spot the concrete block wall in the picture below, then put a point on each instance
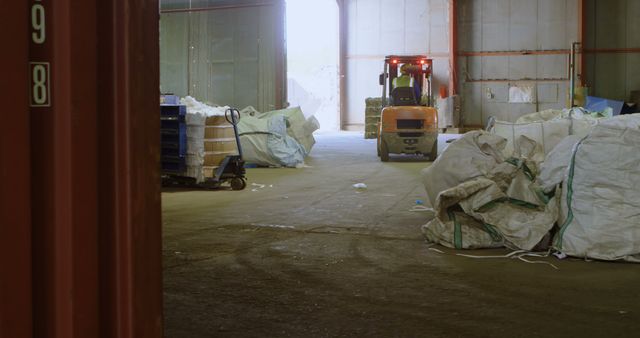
(506, 27)
(613, 24)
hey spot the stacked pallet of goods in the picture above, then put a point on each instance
(372, 117)
(219, 142)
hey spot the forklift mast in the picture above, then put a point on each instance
(419, 67)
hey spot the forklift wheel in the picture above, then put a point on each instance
(384, 152)
(238, 183)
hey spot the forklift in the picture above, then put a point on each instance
(408, 122)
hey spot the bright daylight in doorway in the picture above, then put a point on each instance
(313, 59)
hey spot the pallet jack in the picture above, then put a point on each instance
(231, 169)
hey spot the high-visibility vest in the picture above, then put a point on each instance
(403, 81)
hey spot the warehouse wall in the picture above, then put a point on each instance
(229, 54)
(546, 26)
(376, 28)
(614, 24)
(174, 53)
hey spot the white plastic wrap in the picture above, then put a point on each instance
(195, 145)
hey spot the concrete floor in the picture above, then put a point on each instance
(309, 255)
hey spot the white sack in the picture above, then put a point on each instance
(480, 214)
(454, 228)
(600, 210)
(547, 134)
(266, 142)
(554, 167)
(484, 200)
(544, 115)
(548, 128)
(472, 155)
(298, 126)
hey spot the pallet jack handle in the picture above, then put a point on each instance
(232, 115)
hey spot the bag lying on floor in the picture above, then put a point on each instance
(266, 142)
(600, 210)
(298, 127)
(487, 201)
(472, 155)
(276, 138)
(480, 214)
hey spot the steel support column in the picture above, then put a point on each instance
(582, 34)
(453, 47)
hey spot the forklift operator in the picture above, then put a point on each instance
(406, 80)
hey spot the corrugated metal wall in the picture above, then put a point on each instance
(501, 43)
(376, 28)
(225, 54)
(614, 25)
(545, 28)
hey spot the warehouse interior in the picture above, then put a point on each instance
(266, 193)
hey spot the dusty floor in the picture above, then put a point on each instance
(310, 256)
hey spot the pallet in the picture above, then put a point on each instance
(459, 130)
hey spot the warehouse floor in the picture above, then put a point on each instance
(303, 253)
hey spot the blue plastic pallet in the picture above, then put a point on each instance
(172, 110)
(173, 138)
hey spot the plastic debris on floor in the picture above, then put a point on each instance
(558, 181)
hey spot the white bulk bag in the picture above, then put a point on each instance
(600, 204)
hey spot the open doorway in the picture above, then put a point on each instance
(313, 59)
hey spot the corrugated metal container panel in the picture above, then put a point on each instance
(84, 224)
(15, 173)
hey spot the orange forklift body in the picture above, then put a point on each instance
(407, 128)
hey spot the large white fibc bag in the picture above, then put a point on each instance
(554, 167)
(547, 135)
(475, 154)
(265, 142)
(600, 203)
(547, 128)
